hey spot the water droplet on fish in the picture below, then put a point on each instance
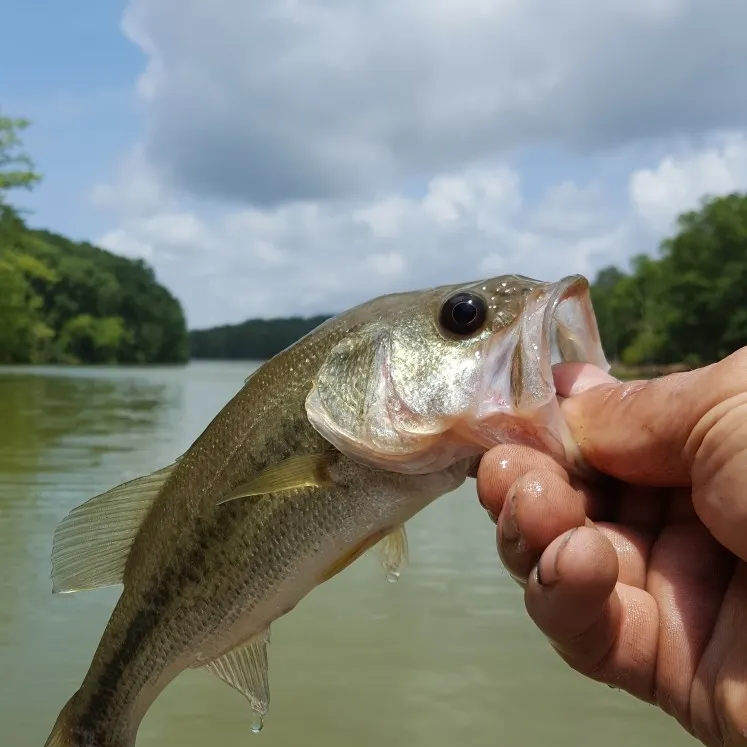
(257, 722)
(392, 577)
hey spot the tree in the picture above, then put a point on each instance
(706, 286)
(16, 167)
(689, 304)
(64, 301)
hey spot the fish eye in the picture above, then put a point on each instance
(463, 314)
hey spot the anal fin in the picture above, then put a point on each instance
(244, 668)
(393, 553)
(92, 543)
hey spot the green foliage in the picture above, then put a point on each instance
(254, 339)
(689, 305)
(16, 167)
(67, 302)
(87, 338)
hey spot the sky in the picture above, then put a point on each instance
(281, 157)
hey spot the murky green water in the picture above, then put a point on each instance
(446, 656)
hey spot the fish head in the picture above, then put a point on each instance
(421, 380)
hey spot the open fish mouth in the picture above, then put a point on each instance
(519, 402)
(569, 332)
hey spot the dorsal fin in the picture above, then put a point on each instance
(92, 543)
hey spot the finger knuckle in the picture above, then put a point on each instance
(730, 704)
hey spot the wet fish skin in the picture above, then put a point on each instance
(204, 577)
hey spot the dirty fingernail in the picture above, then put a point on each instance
(510, 528)
(547, 572)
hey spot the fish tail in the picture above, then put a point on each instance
(62, 734)
(66, 731)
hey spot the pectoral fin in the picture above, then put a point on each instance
(245, 669)
(92, 543)
(302, 471)
(393, 552)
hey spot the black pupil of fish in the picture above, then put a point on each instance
(464, 313)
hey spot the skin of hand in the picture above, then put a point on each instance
(639, 580)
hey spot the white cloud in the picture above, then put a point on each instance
(270, 100)
(309, 257)
(138, 190)
(304, 156)
(315, 256)
(679, 181)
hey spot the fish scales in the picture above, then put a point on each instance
(191, 553)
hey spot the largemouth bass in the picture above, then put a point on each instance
(328, 449)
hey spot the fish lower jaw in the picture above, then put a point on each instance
(541, 428)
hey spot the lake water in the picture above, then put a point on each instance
(445, 656)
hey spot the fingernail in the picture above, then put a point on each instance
(510, 528)
(547, 572)
(490, 513)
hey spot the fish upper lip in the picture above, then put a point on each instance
(587, 348)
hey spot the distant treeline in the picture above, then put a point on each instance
(63, 301)
(254, 339)
(686, 307)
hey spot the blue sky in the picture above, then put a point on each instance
(70, 70)
(269, 158)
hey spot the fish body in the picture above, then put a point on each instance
(329, 448)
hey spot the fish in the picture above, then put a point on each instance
(326, 452)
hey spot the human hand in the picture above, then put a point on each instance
(640, 582)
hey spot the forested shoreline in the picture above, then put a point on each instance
(686, 305)
(63, 301)
(68, 302)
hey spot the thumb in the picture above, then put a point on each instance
(639, 431)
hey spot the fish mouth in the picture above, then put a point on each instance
(520, 403)
(569, 331)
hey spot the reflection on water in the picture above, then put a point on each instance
(445, 654)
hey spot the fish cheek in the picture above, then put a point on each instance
(350, 403)
(434, 382)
